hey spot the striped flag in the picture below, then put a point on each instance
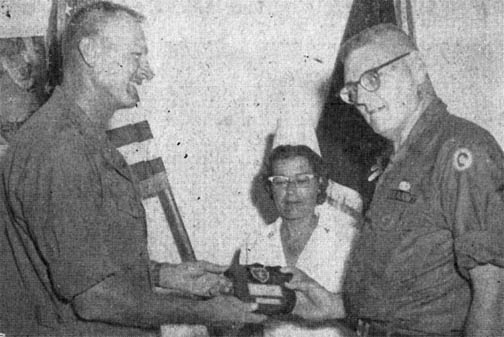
(153, 183)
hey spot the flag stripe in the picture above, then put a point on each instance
(130, 133)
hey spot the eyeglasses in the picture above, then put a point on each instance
(302, 180)
(369, 80)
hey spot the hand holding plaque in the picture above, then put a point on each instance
(314, 302)
(264, 285)
(200, 278)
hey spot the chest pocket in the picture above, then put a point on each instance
(123, 193)
(387, 213)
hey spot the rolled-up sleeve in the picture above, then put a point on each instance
(472, 197)
(66, 211)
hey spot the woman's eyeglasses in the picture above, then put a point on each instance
(302, 180)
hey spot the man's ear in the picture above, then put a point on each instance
(89, 51)
(418, 67)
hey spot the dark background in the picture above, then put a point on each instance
(348, 144)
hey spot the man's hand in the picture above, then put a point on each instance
(314, 302)
(200, 278)
(230, 311)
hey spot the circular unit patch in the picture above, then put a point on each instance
(462, 159)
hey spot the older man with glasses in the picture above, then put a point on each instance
(429, 259)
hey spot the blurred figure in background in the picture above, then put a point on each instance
(21, 71)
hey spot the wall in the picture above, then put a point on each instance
(21, 18)
(227, 70)
(463, 44)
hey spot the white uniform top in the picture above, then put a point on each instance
(323, 259)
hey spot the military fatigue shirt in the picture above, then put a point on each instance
(71, 217)
(437, 212)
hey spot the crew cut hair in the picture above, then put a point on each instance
(388, 36)
(87, 21)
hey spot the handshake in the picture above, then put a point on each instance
(254, 283)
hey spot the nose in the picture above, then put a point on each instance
(146, 71)
(364, 100)
(291, 187)
(359, 93)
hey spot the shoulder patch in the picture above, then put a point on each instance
(462, 159)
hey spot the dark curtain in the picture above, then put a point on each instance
(348, 144)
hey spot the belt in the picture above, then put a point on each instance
(372, 328)
(369, 328)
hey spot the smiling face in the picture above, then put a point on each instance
(122, 62)
(389, 109)
(293, 202)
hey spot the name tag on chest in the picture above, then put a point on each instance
(403, 196)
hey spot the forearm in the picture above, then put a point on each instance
(484, 320)
(334, 307)
(116, 301)
(486, 314)
(315, 303)
(197, 278)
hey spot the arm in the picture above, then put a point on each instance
(199, 278)
(314, 302)
(115, 300)
(75, 240)
(486, 315)
(472, 198)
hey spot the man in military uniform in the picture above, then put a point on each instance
(430, 256)
(73, 244)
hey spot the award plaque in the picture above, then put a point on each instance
(263, 285)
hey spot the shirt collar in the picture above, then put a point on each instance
(93, 133)
(426, 124)
(91, 130)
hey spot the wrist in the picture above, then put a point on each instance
(155, 274)
(206, 310)
(159, 273)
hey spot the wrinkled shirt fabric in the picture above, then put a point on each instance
(437, 212)
(71, 217)
(323, 258)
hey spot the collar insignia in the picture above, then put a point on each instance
(376, 171)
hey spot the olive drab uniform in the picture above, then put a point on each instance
(437, 212)
(71, 217)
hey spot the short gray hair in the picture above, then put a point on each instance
(391, 39)
(88, 21)
(388, 36)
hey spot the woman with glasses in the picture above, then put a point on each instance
(311, 238)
